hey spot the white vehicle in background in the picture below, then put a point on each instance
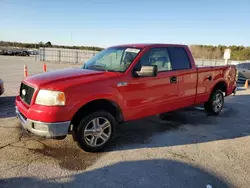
(243, 71)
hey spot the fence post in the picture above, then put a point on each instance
(226, 62)
(43, 54)
(59, 55)
(76, 57)
(202, 61)
(40, 54)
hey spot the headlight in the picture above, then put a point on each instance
(50, 98)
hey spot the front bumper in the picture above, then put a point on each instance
(43, 129)
(1, 88)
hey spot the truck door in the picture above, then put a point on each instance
(186, 76)
(144, 96)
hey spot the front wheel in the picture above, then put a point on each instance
(95, 131)
(215, 103)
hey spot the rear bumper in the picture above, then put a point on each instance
(234, 90)
(44, 129)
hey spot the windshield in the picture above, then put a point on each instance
(115, 59)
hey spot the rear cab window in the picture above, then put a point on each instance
(179, 58)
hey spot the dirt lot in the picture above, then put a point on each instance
(189, 150)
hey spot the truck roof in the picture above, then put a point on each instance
(143, 45)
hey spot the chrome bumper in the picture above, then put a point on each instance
(48, 130)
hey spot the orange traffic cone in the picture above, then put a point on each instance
(246, 84)
(25, 71)
(44, 67)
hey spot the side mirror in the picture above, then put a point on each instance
(146, 71)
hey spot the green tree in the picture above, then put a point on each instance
(48, 44)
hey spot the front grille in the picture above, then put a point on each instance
(26, 93)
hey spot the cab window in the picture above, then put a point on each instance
(179, 58)
(159, 57)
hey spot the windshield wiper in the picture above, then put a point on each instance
(99, 67)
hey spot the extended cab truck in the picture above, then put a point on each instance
(119, 84)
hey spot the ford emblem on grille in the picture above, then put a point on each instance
(24, 92)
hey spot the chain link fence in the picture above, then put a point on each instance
(200, 62)
(73, 56)
(61, 55)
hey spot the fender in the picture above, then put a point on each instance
(227, 81)
(90, 94)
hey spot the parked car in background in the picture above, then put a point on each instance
(120, 84)
(32, 52)
(15, 52)
(1, 87)
(243, 71)
(20, 53)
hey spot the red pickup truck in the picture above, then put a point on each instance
(121, 83)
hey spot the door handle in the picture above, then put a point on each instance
(173, 79)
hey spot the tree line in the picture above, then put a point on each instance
(47, 44)
(217, 52)
(198, 51)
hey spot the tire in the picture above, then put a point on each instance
(210, 107)
(88, 138)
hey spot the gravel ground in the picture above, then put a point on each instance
(189, 149)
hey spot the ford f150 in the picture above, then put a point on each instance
(119, 84)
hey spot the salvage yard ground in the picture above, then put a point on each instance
(190, 149)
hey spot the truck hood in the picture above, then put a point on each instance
(67, 74)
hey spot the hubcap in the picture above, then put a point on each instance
(97, 132)
(218, 101)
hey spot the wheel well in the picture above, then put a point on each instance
(100, 104)
(222, 86)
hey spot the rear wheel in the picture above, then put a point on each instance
(215, 103)
(95, 131)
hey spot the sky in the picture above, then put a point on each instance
(110, 22)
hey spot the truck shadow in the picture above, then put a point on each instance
(7, 106)
(145, 173)
(182, 127)
(186, 126)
